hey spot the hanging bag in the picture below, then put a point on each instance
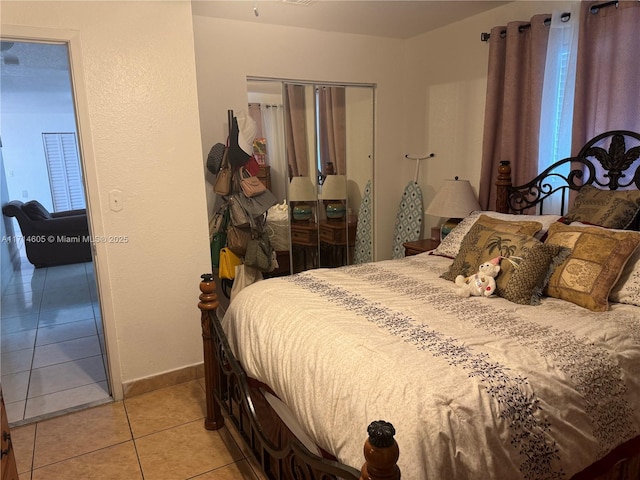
(250, 185)
(214, 159)
(219, 239)
(245, 276)
(238, 239)
(222, 185)
(259, 253)
(228, 262)
(238, 214)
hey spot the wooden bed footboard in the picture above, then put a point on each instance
(231, 395)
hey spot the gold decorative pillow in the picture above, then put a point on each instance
(597, 258)
(607, 208)
(469, 249)
(525, 227)
(526, 262)
(450, 246)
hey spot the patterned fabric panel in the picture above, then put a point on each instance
(409, 219)
(364, 231)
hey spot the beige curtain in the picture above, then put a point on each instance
(296, 130)
(607, 95)
(515, 77)
(332, 129)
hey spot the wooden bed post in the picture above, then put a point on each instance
(381, 453)
(208, 303)
(503, 182)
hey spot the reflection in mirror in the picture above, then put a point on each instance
(324, 171)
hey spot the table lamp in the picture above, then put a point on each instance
(301, 192)
(454, 201)
(334, 193)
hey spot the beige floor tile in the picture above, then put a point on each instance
(78, 433)
(165, 408)
(236, 471)
(118, 462)
(23, 439)
(185, 451)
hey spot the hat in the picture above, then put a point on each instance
(246, 132)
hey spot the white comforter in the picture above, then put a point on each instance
(476, 388)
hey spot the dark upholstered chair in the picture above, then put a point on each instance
(51, 238)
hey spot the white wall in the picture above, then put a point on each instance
(225, 59)
(134, 65)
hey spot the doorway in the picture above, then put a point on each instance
(53, 348)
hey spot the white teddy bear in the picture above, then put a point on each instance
(482, 283)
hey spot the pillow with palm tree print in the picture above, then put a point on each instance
(526, 263)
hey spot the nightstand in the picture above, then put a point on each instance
(420, 246)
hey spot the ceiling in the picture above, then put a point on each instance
(393, 19)
(36, 67)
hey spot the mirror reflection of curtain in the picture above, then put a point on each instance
(332, 129)
(296, 136)
(273, 128)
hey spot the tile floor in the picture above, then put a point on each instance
(52, 341)
(158, 435)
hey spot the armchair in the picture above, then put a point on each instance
(51, 239)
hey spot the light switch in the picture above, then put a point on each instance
(115, 200)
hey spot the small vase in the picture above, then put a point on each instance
(336, 210)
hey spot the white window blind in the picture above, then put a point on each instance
(65, 175)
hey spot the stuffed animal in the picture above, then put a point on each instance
(482, 283)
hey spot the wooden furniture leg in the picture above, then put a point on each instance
(209, 302)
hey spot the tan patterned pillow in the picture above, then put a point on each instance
(526, 263)
(451, 244)
(607, 208)
(597, 258)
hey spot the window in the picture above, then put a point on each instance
(65, 175)
(557, 100)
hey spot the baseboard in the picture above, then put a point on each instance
(167, 379)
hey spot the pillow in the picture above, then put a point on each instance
(450, 246)
(627, 289)
(526, 265)
(35, 210)
(607, 208)
(598, 256)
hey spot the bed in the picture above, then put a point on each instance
(539, 382)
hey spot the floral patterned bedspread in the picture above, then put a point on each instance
(476, 388)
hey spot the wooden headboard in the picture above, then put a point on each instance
(608, 161)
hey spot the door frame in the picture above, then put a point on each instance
(88, 164)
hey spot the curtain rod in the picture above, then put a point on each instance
(484, 36)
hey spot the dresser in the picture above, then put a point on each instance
(419, 246)
(264, 175)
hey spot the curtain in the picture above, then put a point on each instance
(296, 130)
(273, 127)
(557, 98)
(608, 71)
(332, 129)
(512, 110)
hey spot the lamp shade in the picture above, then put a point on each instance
(334, 187)
(301, 190)
(454, 200)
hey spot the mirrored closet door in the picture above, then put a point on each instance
(317, 140)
